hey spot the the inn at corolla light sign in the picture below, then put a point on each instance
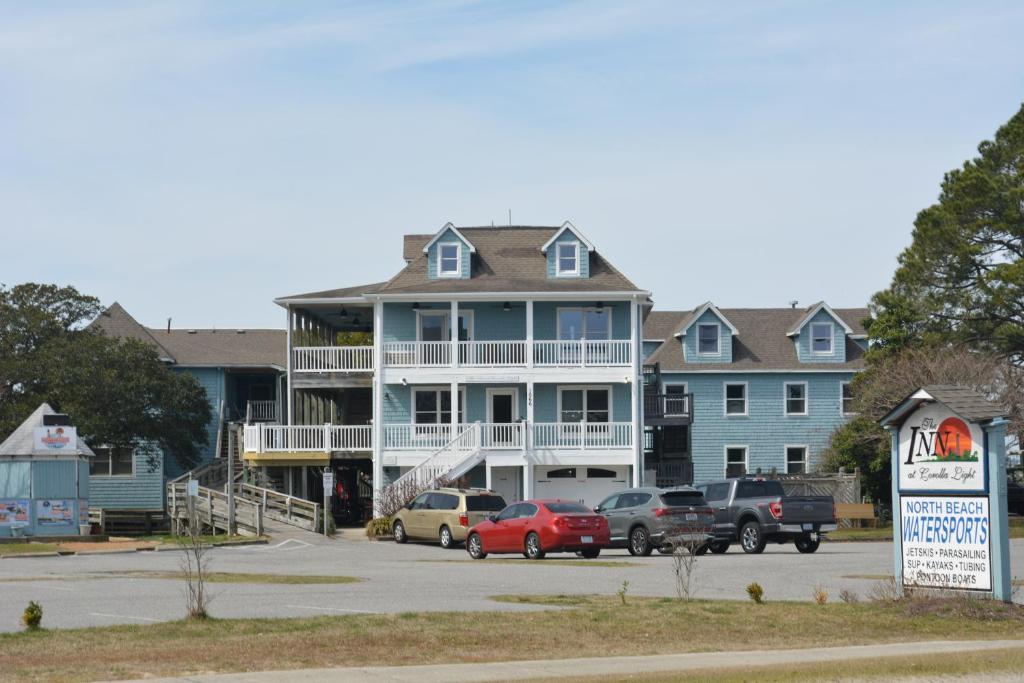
(949, 491)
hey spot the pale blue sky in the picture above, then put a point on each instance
(194, 160)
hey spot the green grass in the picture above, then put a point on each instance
(24, 548)
(597, 625)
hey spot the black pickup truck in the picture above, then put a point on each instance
(757, 511)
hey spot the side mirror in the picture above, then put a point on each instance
(597, 508)
(492, 518)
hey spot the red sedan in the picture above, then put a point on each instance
(537, 527)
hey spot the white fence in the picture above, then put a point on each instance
(491, 354)
(332, 359)
(494, 436)
(265, 438)
(583, 435)
(260, 411)
(582, 352)
(417, 354)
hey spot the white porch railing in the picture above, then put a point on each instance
(332, 359)
(260, 411)
(494, 436)
(417, 437)
(417, 354)
(583, 435)
(477, 354)
(451, 460)
(264, 438)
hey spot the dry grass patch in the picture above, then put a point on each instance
(25, 548)
(600, 626)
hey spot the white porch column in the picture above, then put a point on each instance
(288, 334)
(487, 469)
(637, 393)
(528, 431)
(529, 333)
(376, 423)
(528, 480)
(454, 321)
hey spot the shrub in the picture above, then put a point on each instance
(622, 591)
(756, 592)
(32, 617)
(820, 594)
(378, 526)
(849, 597)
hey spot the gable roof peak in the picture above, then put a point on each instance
(812, 311)
(445, 228)
(701, 310)
(574, 230)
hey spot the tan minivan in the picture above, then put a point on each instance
(445, 515)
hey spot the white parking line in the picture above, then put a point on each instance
(122, 616)
(332, 609)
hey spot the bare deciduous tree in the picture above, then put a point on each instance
(684, 565)
(194, 567)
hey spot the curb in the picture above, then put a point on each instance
(14, 557)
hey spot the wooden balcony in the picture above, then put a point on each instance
(668, 409)
(332, 359)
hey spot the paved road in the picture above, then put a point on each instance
(602, 667)
(85, 590)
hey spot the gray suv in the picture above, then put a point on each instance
(643, 519)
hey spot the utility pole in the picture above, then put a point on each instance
(231, 479)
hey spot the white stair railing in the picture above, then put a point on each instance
(449, 462)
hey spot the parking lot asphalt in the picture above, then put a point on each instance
(86, 590)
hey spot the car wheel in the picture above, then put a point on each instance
(590, 553)
(475, 547)
(398, 531)
(445, 536)
(718, 547)
(751, 539)
(533, 549)
(806, 545)
(640, 542)
(702, 549)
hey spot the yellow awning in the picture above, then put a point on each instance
(287, 458)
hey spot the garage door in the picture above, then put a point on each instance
(589, 485)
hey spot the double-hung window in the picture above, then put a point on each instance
(584, 414)
(448, 259)
(432, 414)
(584, 323)
(568, 257)
(846, 398)
(821, 339)
(112, 462)
(735, 461)
(796, 398)
(796, 459)
(708, 339)
(736, 398)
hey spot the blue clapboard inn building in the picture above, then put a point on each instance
(768, 387)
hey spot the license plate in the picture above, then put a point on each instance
(808, 527)
(691, 516)
(586, 539)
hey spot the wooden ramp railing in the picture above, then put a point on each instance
(299, 512)
(211, 509)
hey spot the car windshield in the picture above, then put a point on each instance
(485, 503)
(671, 498)
(566, 507)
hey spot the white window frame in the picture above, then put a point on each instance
(583, 317)
(558, 259)
(785, 399)
(718, 339)
(831, 339)
(725, 458)
(842, 399)
(585, 388)
(110, 463)
(491, 392)
(438, 388)
(725, 399)
(668, 383)
(441, 272)
(807, 456)
(466, 313)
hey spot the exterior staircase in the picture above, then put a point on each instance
(443, 467)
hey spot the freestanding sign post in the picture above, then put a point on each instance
(949, 492)
(328, 492)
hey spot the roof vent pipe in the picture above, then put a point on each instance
(793, 303)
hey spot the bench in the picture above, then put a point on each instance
(860, 511)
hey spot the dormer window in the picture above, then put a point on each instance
(821, 339)
(448, 260)
(708, 339)
(568, 258)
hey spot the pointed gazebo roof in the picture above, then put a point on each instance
(20, 442)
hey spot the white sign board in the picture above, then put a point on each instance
(946, 542)
(328, 481)
(55, 440)
(192, 487)
(941, 453)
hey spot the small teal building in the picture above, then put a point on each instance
(44, 477)
(768, 387)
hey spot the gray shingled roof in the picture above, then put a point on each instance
(661, 325)
(249, 348)
(507, 259)
(762, 343)
(21, 440)
(968, 403)
(117, 322)
(340, 293)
